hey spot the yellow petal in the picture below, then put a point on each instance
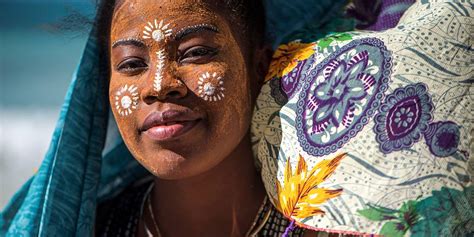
(276, 67)
(304, 210)
(305, 52)
(301, 165)
(289, 67)
(286, 58)
(298, 195)
(320, 195)
(322, 171)
(288, 172)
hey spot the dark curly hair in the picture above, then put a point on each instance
(249, 15)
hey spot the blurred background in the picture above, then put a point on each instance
(37, 61)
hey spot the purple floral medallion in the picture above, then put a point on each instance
(289, 82)
(341, 94)
(403, 118)
(442, 138)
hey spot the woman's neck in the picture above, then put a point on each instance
(221, 202)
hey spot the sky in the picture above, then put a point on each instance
(36, 64)
(36, 67)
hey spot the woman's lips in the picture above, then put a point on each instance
(170, 131)
(169, 124)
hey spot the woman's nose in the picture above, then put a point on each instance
(165, 85)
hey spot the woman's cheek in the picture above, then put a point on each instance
(208, 82)
(124, 100)
(230, 105)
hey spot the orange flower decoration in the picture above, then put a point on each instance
(287, 56)
(300, 195)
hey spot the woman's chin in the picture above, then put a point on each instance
(168, 165)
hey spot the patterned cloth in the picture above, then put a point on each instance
(372, 132)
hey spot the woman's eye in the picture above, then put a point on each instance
(198, 55)
(132, 66)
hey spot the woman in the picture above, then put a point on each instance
(181, 79)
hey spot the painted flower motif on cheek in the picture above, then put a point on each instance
(157, 31)
(211, 87)
(126, 100)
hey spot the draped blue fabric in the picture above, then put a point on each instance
(61, 196)
(87, 160)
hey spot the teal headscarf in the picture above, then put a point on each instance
(87, 160)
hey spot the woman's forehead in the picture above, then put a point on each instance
(129, 15)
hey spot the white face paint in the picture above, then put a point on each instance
(158, 32)
(160, 65)
(126, 100)
(211, 87)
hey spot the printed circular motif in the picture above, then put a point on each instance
(341, 94)
(442, 138)
(403, 117)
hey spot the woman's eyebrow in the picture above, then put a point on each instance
(129, 41)
(193, 29)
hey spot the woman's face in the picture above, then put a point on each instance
(180, 88)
